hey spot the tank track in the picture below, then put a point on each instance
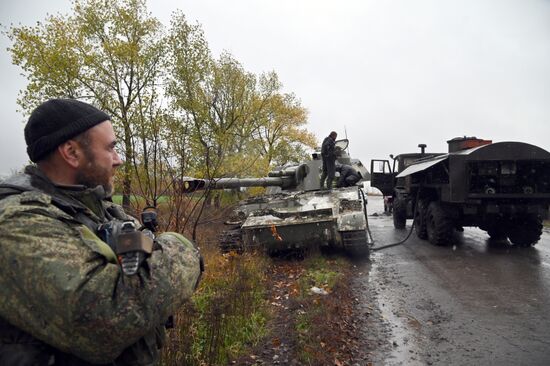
(355, 243)
(231, 240)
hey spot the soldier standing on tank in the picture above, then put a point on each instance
(328, 154)
(67, 297)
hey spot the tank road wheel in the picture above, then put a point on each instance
(525, 231)
(420, 219)
(231, 240)
(439, 225)
(399, 213)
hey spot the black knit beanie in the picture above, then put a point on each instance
(56, 121)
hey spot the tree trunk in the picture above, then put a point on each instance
(127, 180)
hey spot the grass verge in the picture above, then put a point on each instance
(318, 323)
(227, 315)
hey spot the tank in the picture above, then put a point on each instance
(295, 214)
(502, 188)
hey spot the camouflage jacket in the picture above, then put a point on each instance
(63, 285)
(328, 149)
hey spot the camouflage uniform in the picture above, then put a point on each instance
(348, 175)
(61, 284)
(328, 155)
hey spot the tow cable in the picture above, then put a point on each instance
(375, 249)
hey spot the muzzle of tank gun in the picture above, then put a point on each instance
(191, 185)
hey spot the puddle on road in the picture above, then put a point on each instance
(404, 350)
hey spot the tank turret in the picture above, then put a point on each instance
(297, 177)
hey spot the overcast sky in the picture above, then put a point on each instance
(393, 73)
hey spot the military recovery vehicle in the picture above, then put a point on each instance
(502, 188)
(295, 214)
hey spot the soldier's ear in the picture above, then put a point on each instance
(71, 152)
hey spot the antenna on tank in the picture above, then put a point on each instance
(346, 134)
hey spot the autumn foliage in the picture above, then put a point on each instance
(177, 109)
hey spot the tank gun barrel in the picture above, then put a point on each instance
(192, 184)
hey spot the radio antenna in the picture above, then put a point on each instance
(346, 134)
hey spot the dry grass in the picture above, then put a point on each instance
(226, 316)
(321, 322)
(229, 313)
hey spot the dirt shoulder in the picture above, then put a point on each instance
(341, 327)
(321, 311)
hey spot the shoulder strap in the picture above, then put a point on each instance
(6, 192)
(20, 183)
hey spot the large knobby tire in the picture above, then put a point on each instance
(439, 225)
(420, 219)
(399, 213)
(387, 206)
(497, 232)
(525, 231)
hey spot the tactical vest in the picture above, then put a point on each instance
(20, 348)
(34, 182)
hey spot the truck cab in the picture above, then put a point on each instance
(384, 173)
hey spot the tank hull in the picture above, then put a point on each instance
(303, 220)
(295, 213)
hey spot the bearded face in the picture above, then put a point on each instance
(99, 159)
(94, 174)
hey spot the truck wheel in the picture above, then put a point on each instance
(387, 206)
(420, 220)
(496, 233)
(399, 213)
(525, 232)
(439, 225)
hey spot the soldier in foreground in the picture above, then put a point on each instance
(328, 154)
(80, 283)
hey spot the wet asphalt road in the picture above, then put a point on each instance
(474, 303)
